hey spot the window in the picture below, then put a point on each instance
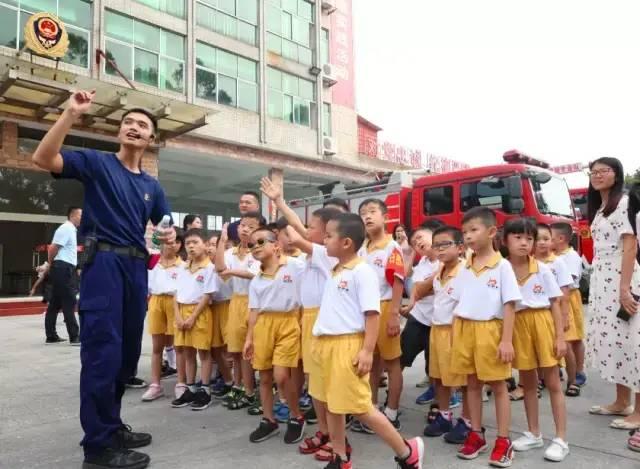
(552, 195)
(326, 119)
(173, 7)
(290, 98)
(493, 194)
(226, 78)
(235, 18)
(289, 29)
(324, 47)
(214, 222)
(76, 15)
(144, 52)
(438, 201)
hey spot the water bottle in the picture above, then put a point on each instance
(163, 225)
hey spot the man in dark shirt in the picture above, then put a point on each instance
(119, 200)
(249, 203)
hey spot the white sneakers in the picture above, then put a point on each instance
(556, 451)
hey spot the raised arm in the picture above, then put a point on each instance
(221, 266)
(47, 156)
(274, 194)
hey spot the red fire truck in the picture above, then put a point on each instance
(579, 198)
(522, 186)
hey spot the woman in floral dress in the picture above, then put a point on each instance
(634, 218)
(613, 344)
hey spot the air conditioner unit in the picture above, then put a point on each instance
(329, 75)
(329, 6)
(329, 146)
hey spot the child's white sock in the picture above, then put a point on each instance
(170, 356)
(391, 414)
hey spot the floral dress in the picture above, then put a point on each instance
(613, 345)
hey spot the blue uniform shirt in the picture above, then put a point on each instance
(117, 203)
(65, 237)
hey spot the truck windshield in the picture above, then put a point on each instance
(552, 196)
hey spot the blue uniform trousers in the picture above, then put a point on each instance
(113, 294)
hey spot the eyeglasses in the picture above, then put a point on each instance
(259, 243)
(600, 172)
(444, 245)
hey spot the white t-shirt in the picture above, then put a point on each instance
(560, 271)
(422, 311)
(224, 290)
(386, 260)
(195, 282)
(538, 288)
(444, 302)
(574, 265)
(318, 270)
(279, 292)
(351, 291)
(240, 286)
(164, 280)
(482, 295)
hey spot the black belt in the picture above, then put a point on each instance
(129, 251)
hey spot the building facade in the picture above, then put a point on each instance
(243, 88)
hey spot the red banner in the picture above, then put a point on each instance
(341, 55)
(569, 168)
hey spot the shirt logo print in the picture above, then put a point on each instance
(343, 285)
(537, 289)
(200, 278)
(147, 197)
(286, 278)
(378, 262)
(174, 275)
(449, 290)
(492, 283)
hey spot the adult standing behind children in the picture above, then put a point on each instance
(249, 203)
(63, 262)
(119, 200)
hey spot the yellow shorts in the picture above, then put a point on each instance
(534, 336)
(237, 324)
(220, 313)
(309, 317)
(576, 317)
(161, 315)
(475, 350)
(387, 347)
(200, 335)
(335, 380)
(276, 341)
(440, 357)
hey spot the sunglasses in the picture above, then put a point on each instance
(260, 243)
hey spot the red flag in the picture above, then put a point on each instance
(395, 267)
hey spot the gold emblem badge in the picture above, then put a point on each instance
(46, 35)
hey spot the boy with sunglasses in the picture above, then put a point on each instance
(273, 338)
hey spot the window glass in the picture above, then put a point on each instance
(274, 43)
(304, 55)
(8, 27)
(205, 55)
(228, 6)
(438, 201)
(122, 55)
(227, 63)
(302, 112)
(233, 18)
(287, 108)
(37, 6)
(119, 27)
(289, 98)
(248, 96)
(247, 69)
(286, 27)
(290, 6)
(274, 78)
(246, 32)
(289, 84)
(274, 22)
(306, 89)
(146, 67)
(206, 84)
(301, 31)
(274, 103)
(324, 47)
(78, 52)
(146, 36)
(171, 75)
(76, 12)
(484, 194)
(305, 9)
(552, 197)
(205, 16)
(174, 7)
(227, 90)
(326, 119)
(172, 45)
(289, 50)
(247, 10)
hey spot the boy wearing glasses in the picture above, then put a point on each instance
(239, 267)
(273, 338)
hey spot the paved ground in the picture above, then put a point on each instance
(39, 425)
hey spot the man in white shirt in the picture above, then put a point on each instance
(63, 262)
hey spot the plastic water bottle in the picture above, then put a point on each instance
(164, 224)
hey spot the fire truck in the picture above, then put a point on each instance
(579, 198)
(521, 186)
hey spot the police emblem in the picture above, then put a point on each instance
(46, 35)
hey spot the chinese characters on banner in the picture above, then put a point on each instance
(568, 168)
(341, 54)
(388, 151)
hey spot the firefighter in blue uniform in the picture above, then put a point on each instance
(119, 200)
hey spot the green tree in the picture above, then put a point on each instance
(630, 179)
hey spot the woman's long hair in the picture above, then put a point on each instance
(188, 220)
(634, 205)
(594, 199)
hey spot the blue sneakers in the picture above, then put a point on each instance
(456, 400)
(438, 426)
(581, 378)
(426, 397)
(458, 434)
(305, 402)
(281, 412)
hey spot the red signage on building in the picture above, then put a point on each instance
(569, 168)
(341, 55)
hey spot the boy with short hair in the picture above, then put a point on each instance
(345, 336)
(160, 312)
(287, 247)
(486, 290)
(561, 234)
(384, 255)
(238, 266)
(273, 337)
(196, 283)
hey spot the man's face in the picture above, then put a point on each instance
(136, 131)
(248, 203)
(76, 217)
(246, 227)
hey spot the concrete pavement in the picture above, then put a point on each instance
(39, 426)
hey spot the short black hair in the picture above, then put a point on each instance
(262, 222)
(272, 235)
(564, 229)
(351, 226)
(273, 227)
(543, 226)
(326, 213)
(281, 223)
(72, 209)
(486, 216)
(337, 202)
(189, 219)
(214, 234)
(381, 205)
(432, 224)
(196, 233)
(180, 239)
(520, 225)
(252, 194)
(452, 231)
(146, 112)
